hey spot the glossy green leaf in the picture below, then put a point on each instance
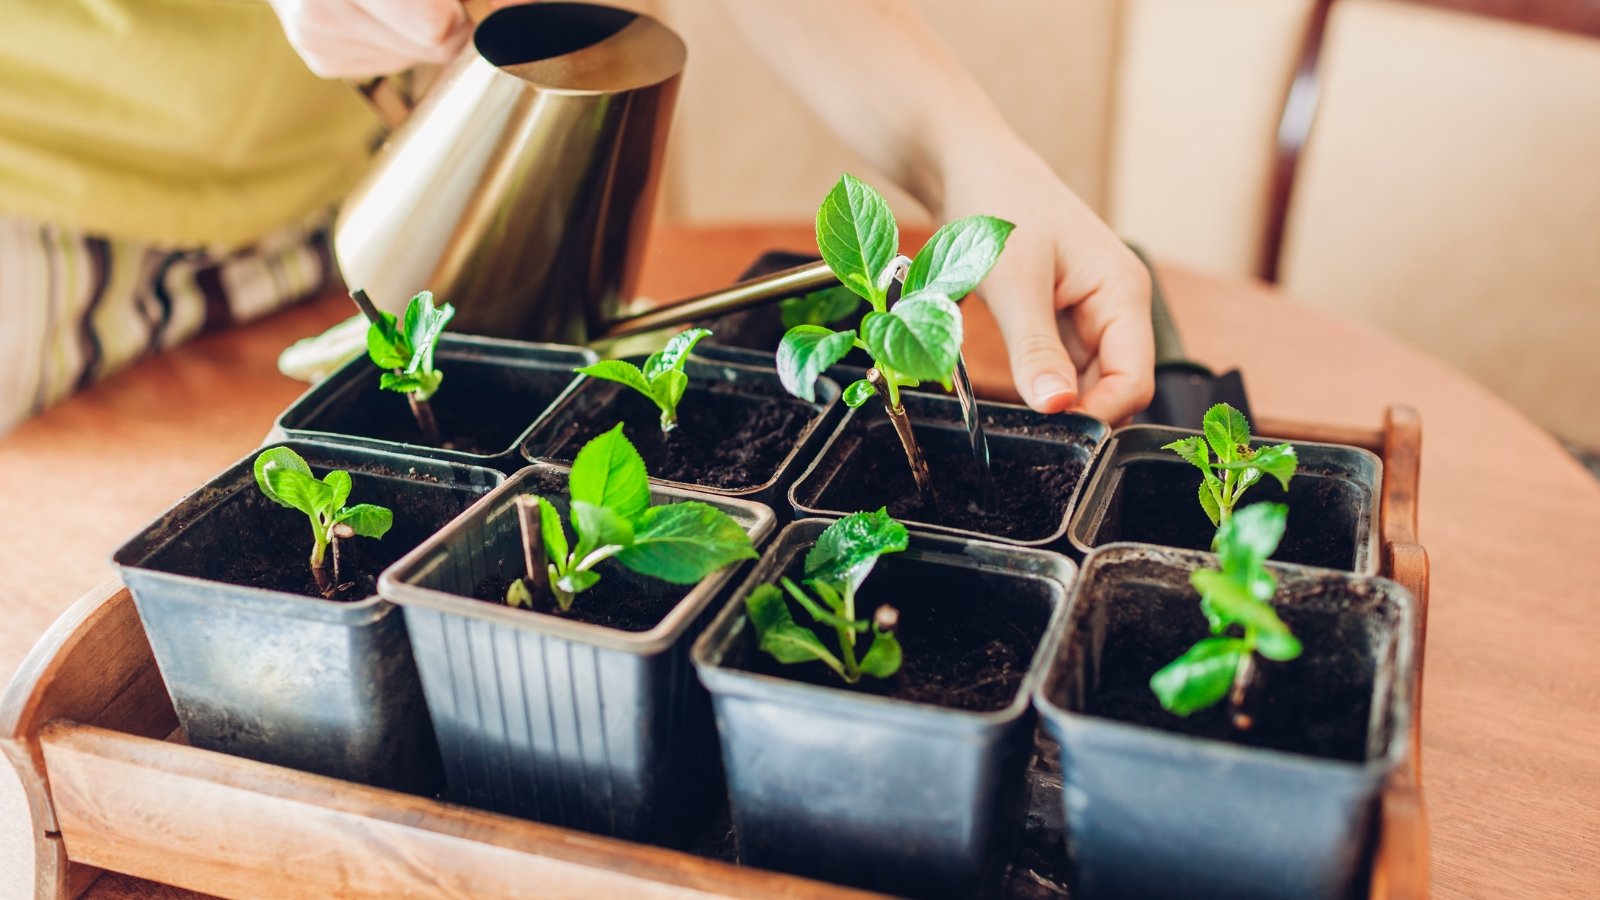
(1226, 431)
(1193, 450)
(666, 391)
(882, 659)
(1278, 645)
(1250, 537)
(338, 481)
(577, 582)
(366, 519)
(609, 472)
(1233, 602)
(1208, 502)
(597, 526)
(424, 323)
(805, 353)
(620, 371)
(847, 550)
(920, 336)
(518, 596)
(859, 392)
(958, 256)
(278, 459)
(825, 307)
(1279, 461)
(857, 236)
(780, 635)
(675, 354)
(1200, 677)
(826, 615)
(552, 533)
(299, 490)
(386, 345)
(684, 542)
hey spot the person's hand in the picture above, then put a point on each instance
(363, 38)
(1071, 300)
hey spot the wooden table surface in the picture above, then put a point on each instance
(1511, 728)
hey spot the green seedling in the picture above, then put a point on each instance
(286, 479)
(1228, 436)
(662, 380)
(611, 517)
(916, 339)
(835, 569)
(1234, 599)
(404, 347)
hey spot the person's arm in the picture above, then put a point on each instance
(879, 77)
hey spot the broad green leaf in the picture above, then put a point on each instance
(552, 532)
(518, 596)
(1279, 461)
(1250, 536)
(597, 526)
(858, 393)
(1192, 449)
(609, 472)
(423, 384)
(1226, 431)
(857, 236)
(958, 256)
(780, 635)
(817, 612)
(824, 307)
(298, 490)
(278, 458)
(684, 542)
(1279, 645)
(672, 357)
(829, 594)
(338, 481)
(920, 336)
(386, 346)
(1233, 602)
(846, 551)
(805, 353)
(423, 324)
(577, 582)
(883, 657)
(620, 371)
(1200, 677)
(1208, 502)
(367, 519)
(667, 390)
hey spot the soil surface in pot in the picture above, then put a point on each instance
(1032, 492)
(250, 540)
(482, 407)
(966, 638)
(724, 439)
(622, 599)
(1317, 704)
(1156, 504)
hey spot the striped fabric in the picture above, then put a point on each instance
(75, 308)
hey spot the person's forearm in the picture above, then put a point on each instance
(879, 77)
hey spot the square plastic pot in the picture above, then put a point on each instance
(595, 403)
(290, 679)
(1154, 809)
(1018, 437)
(868, 790)
(548, 718)
(1141, 493)
(510, 385)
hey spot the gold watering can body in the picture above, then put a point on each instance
(521, 188)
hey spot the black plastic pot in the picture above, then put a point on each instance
(1038, 461)
(1139, 492)
(746, 393)
(1162, 806)
(494, 390)
(870, 790)
(286, 678)
(546, 717)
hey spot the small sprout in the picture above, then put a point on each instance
(1234, 598)
(286, 479)
(518, 596)
(405, 348)
(611, 515)
(917, 339)
(1228, 435)
(661, 381)
(835, 569)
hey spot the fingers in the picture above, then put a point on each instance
(361, 38)
(1114, 325)
(1020, 292)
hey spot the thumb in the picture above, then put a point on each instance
(1024, 309)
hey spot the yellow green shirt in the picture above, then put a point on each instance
(177, 122)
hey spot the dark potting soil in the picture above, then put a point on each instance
(723, 439)
(250, 540)
(967, 637)
(482, 407)
(1156, 503)
(622, 599)
(1316, 705)
(1033, 481)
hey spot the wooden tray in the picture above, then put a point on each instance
(110, 785)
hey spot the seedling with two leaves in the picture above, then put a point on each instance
(835, 568)
(1229, 453)
(611, 515)
(286, 479)
(1234, 599)
(916, 339)
(662, 380)
(404, 348)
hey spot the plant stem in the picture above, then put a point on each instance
(422, 411)
(902, 429)
(319, 549)
(1238, 693)
(534, 563)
